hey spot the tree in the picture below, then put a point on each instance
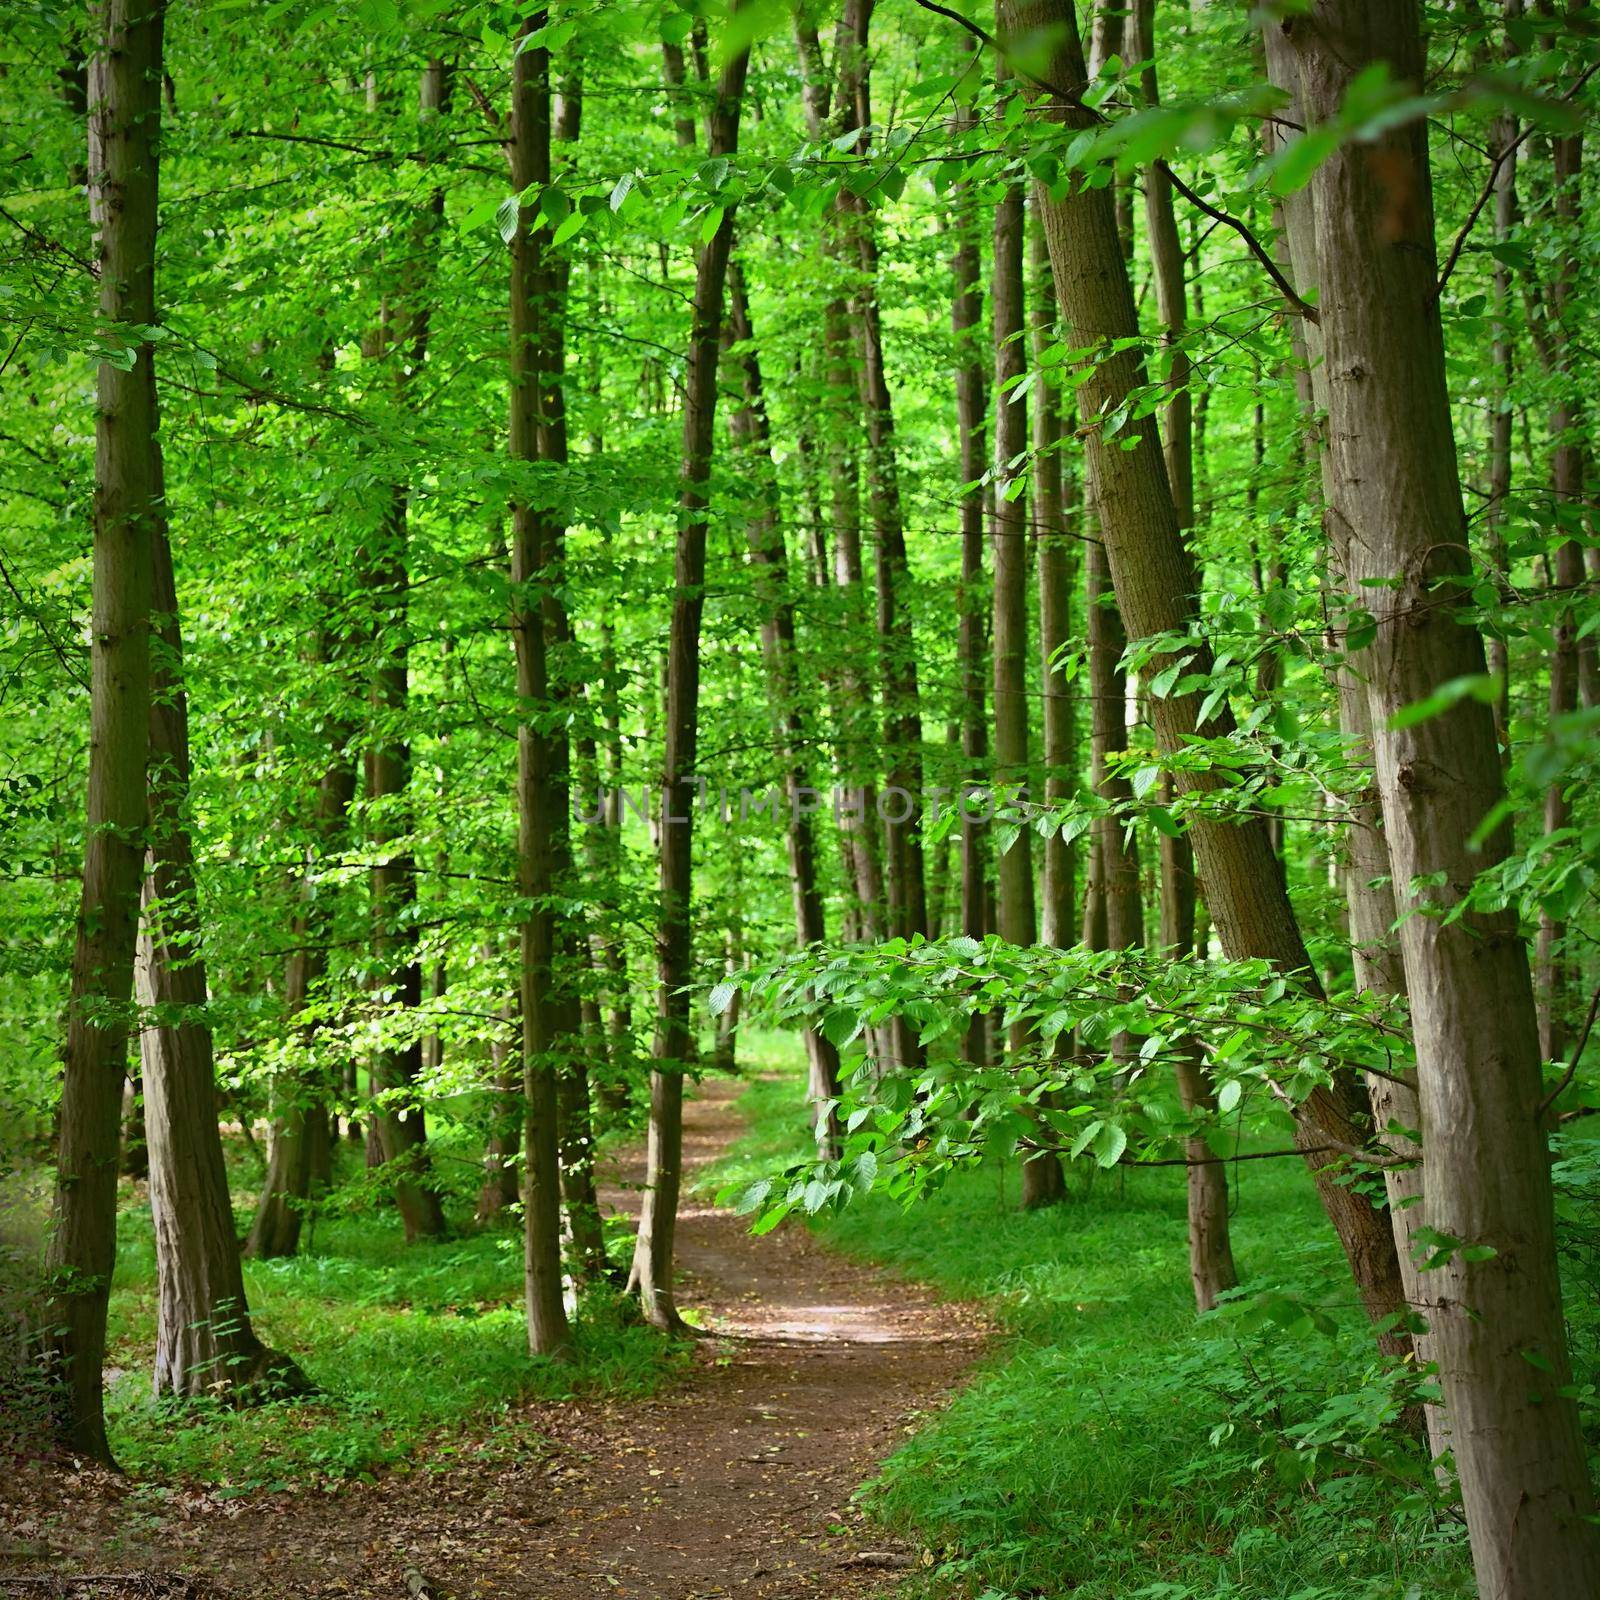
(1494, 1303)
(1155, 584)
(401, 338)
(124, 104)
(652, 1259)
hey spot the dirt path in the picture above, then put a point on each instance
(737, 1482)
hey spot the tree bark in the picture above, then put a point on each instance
(1496, 1320)
(1572, 660)
(1055, 522)
(966, 323)
(1369, 893)
(1156, 588)
(1211, 1267)
(205, 1344)
(674, 1042)
(1043, 1182)
(124, 129)
(1166, 267)
(902, 724)
(532, 541)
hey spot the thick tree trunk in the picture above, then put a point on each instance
(1494, 1304)
(1368, 890)
(205, 1344)
(532, 541)
(770, 563)
(124, 128)
(674, 1042)
(1156, 587)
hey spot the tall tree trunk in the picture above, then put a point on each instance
(532, 542)
(674, 1042)
(1369, 892)
(1502, 140)
(398, 1114)
(574, 1114)
(902, 721)
(858, 737)
(966, 322)
(1572, 660)
(1043, 1182)
(1055, 520)
(1494, 1305)
(769, 559)
(1166, 267)
(124, 130)
(1156, 587)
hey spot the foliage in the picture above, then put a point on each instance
(1114, 1446)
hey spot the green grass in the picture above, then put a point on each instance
(419, 1354)
(1112, 1445)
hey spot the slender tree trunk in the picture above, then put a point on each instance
(1502, 139)
(1494, 1304)
(1042, 1180)
(124, 127)
(1211, 1268)
(1156, 587)
(966, 324)
(857, 738)
(902, 724)
(398, 1115)
(769, 560)
(674, 1043)
(503, 1150)
(537, 791)
(574, 1114)
(1054, 519)
(1572, 660)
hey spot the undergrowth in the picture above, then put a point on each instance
(418, 1353)
(1113, 1446)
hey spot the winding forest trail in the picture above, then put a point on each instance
(737, 1481)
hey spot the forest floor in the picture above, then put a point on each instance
(737, 1481)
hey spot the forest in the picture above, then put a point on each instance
(795, 799)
